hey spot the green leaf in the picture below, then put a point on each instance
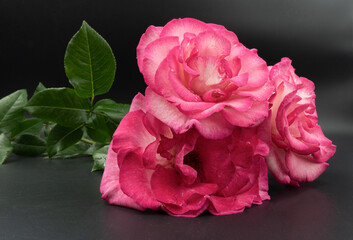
(39, 88)
(59, 105)
(73, 151)
(32, 126)
(47, 128)
(99, 157)
(89, 63)
(11, 110)
(110, 108)
(93, 148)
(5, 148)
(29, 145)
(100, 128)
(60, 138)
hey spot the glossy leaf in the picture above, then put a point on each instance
(115, 111)
(29, 145)
(78, 149)
(11, 110)
(93, 148)
(40, 88)
(99, 157)
(31, 126)
(89, 63)
(5, 148)
(60, 105)
(61, 138)
(100, 128)
(47, 128)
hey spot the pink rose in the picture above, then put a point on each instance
(199, 75)
(300, 149)
(149, 165)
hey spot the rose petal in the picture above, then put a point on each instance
(138, 103)
(302, 168)
(211, 44)
(257, 112)
(215, 161)
(151, 34)
(131, 135)
(214, 127)
(277, 166)
(135, 181)
(169, 189)
(154, 54)
(177, 27)
(251, 63)
(166, 112)
(110, 185)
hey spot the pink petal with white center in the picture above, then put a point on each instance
(281, 68)
(205, 109)
(131, 135)
(216, 27)
(166, 112)
(257, 112)
(138, 103)
(298, 145)
(221, 30)
(251, 63)
(110, 185)
(212, 44)
(327, 149)
(277, 166)
(214, 127)
(151, 34)
(175, 78)
(177, 27)
(280, 118)
(209, 76)
(214, 95)
(240, 80)
(302, 168)
(154, 54)
(262, 93)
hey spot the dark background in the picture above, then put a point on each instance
(317, 35)
(53, 199)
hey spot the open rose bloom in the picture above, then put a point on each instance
(151, 166)
(300, 149)
(200, 75)
(213, 119)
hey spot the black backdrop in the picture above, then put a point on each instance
(316, 35)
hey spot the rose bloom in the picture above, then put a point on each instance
(150, 166)
(200, 75)
(300, 150)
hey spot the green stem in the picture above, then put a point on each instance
(87, 141)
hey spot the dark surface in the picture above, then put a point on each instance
(60, 199)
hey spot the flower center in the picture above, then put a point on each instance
(192, 159)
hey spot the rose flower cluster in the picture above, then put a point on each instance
(214, 119)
